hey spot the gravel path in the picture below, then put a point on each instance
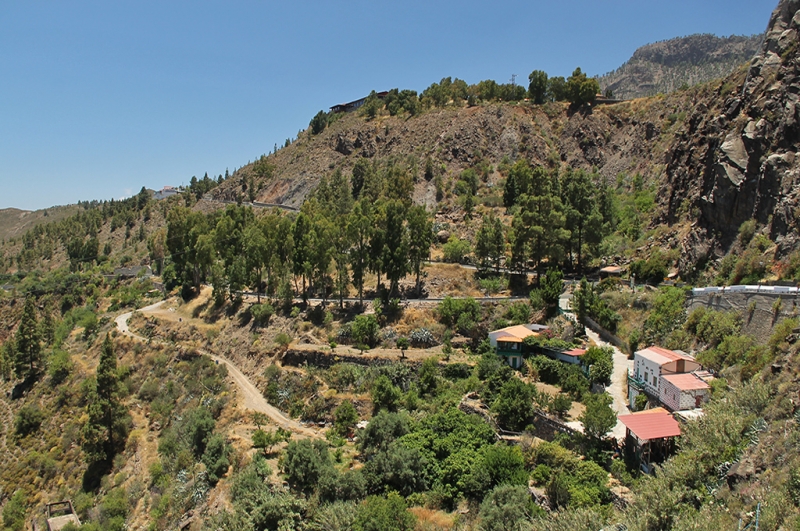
(251, 396)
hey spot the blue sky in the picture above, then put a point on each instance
(102, 98)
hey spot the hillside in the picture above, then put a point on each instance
(15, 222)
(311, 369)
(666, 66)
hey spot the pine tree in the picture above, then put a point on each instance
(420, 238)
(28, 352)
(105, 430)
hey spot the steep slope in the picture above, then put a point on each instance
(736, 157)
(667, 65)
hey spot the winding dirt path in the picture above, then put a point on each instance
(251, 397)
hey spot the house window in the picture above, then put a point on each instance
(645, 377)
(655, 381)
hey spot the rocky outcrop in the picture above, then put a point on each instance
(737, 159)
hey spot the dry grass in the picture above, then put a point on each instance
(428, 519)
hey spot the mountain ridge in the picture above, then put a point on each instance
(665, 66)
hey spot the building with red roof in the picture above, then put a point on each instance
(650, 436)
(653, 363)
(683, 391)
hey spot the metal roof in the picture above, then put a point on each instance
(651, 424)
(686, 381)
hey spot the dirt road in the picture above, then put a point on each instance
(251, 397)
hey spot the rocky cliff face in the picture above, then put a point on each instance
(667, 65)
(736, 160)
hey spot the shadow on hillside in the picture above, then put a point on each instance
(94, 474)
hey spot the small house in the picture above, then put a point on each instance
(167, 191)
(509, 341)
(650, 365)
(683, 391)
(650, 436)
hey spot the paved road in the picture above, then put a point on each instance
(252, 397)
(619, 382)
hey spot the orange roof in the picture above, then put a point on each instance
(575, 352)
(509, 339)
(518, 331)
(651, 424)
(686, 381)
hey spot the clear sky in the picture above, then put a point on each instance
(98, 99)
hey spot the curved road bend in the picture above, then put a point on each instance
(252, 398)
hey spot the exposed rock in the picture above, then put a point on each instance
(343, 145)
(734, 150)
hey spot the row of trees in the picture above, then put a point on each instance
(342, 233)
(578, 89)
(555, 215)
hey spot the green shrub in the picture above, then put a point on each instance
(28, 420)
(59, 367)
(283, 339)
(455, 250)
(384, 514)
(14, 511)
(262, 313)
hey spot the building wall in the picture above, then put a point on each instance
(646, 370)
(689, 398)
(574, 360)
(676, 400)
(670, 396)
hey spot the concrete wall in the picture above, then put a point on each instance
(761, 320)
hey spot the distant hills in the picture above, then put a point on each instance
(667, 65)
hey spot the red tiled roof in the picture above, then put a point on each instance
(509, 339)
(657, 354)
(651, 424)
(686, 381)
(575, 352)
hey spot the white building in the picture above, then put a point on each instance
(167, 191)
(650, 365)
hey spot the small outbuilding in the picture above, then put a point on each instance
(650, 436)
(683, 391)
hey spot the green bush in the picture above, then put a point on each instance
(384, 514)
(364, 330)
(28, 420)
(283, 339)
(451, 311)
(59, 367)
(14, 511)
(345, 418)
(262, 313)
(456, 250)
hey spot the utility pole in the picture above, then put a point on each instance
(513, 79)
